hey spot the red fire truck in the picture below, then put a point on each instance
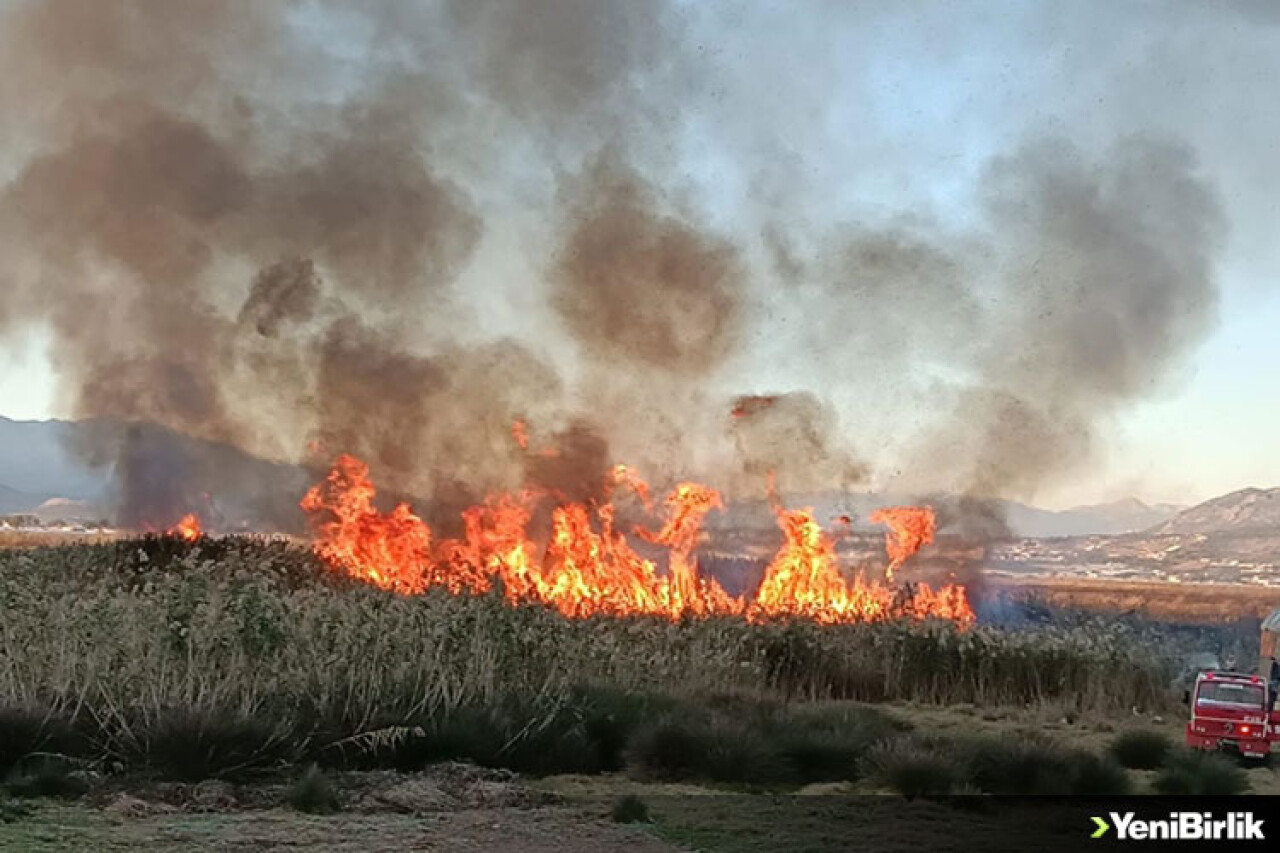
(1237, 711)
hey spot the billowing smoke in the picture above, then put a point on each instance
(1081, 289)
(641, 289)
(795, 438)
(393, 229)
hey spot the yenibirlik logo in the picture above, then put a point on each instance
(1182, 826)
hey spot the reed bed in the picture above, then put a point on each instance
(117, 649)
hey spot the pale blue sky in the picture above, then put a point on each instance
(895, 112)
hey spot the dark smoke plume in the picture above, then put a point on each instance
(796, 438)
(638, 286)
(284, 292)
(392, 229)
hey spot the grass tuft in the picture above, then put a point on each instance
(12, 811)
(314, 793)
(912, 767)
(708, 747)
(826, 743)
(1099, 775)
(1141, 749)
(190, 745)
(630, 809)
(45, 775)
(1199, 773)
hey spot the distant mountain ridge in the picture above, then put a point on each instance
(1125, 516)
(43, 474)
(36, 460)
(17, 501)
(1251, 510)
(1128, 515)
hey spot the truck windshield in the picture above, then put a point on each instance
(1220, 693)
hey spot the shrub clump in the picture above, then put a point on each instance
(1098, 774)
(630, 809)
(314, 793)
(1200, 773)
(1141, 749)
(25, 730)
(190, 745)
(12, 811)
(913, 767)
(826, 743)
(1038, 765)
(679, 748)
(43, 775)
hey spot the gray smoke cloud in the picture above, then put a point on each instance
(276, 228)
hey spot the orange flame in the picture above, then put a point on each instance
(910, 529)
(520, 432)
(750, 405)
(392, 550)
(588, 566)
(187, 528)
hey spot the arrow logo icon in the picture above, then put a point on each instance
(1103, 826)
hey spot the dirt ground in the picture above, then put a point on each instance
(501, 830)
(447, 807)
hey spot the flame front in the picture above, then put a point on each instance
(589, 567)
(187, 528)
(910, 529)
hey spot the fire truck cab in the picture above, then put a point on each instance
(1233, 711)
(1237, 711)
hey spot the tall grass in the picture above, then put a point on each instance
(132, 642)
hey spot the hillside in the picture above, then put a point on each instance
(1124, 516)
(16, 501)
(1022, 520)
(45, 471)
(1246, 511)
(36, 460)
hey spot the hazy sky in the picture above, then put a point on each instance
(893, 114)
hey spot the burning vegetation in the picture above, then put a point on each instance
(588, 566)
(188, 528)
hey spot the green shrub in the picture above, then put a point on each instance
(1141, 749)
(1098, 775)
(1200, 773)
(314, 793)
(669, 750)
(711, 749)
(1034, 765)
(190, 745)
(1016, 765)
(912, 767)
(826, 743)
(25, 729)
(43, 775)
(12, 811)
(630, 809)
(22, 731)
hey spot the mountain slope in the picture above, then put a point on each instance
(14, 501)
(1023, 521)
(1246, 511)
(35, 458)
(148, 478)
